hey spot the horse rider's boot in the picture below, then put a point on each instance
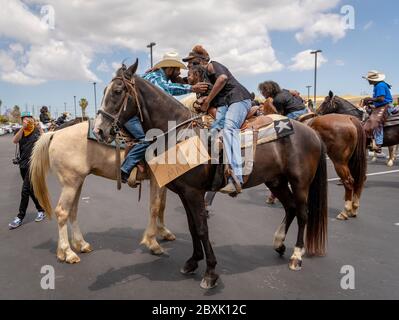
(233, 187)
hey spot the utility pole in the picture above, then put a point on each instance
(74, 101)
(315, 75)
(150, 46)
(95, 98)
(65, 106)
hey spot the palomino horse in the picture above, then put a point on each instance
(72, 157)
(345, 142)
(335, 104)
(298, 160)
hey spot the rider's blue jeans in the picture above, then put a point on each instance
(235, 117)
(379, 132)
(220, 119)
(137, 153)
(296, 114)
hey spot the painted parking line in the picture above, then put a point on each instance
(370, 175)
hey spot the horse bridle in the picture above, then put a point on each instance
(131, 93)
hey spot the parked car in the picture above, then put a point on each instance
(2, 132)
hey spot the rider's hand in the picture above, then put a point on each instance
(200, 87)
(368, 101)
(205, 104)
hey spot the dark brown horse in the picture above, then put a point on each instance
(345, 141)
(298, 160)
(335, 104)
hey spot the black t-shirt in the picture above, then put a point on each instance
(286, 103)
(44, 118)
(232, 92)
(26, 146)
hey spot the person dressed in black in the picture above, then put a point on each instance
(284, 101)
(61, 120)
(44, 116)
(26, 137)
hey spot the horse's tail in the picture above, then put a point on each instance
(358, 161)
(316, 231)
(39, 167)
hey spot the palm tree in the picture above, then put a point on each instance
(83, 105)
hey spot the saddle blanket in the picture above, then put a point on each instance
(279, 128)
(393, 120)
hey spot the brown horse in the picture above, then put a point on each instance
(335, 104)
(298, 160)
(345, 141)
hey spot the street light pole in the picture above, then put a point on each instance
(64, 106)
(315, 75)
(150, 46)
(95, 98)
(74, 101)
(309, 87)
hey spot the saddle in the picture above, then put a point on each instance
(251, 116)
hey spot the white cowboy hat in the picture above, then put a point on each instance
(171, 60)
(375, 76)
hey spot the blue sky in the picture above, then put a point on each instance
(373, 44)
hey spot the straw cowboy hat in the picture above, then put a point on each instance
(375, 76)
(170, 60)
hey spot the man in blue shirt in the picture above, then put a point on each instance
(166, 76)
(382, 101)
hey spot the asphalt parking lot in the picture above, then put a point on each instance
(241, 231)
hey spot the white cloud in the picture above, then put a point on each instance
(234, 32)
(18, 77)
(368, 25)
(304, 61)
(339, 63)
(327, 25)
(103, 66)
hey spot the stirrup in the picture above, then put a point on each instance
(132, 181)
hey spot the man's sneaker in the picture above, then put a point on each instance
(40, 216)
(17, 222)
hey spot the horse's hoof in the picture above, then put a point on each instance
(208, 283)
(342, 216)
(295, 264)
(72, 258)
(157, 251)
(86, 248)
(169, 237)
(390, 164)
(281, 250)
(189, 268)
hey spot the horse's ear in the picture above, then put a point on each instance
(132, 69)
(331, 94)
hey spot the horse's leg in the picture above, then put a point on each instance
(192, 264)
(347, 180)
(194, 200)
(300, 193)
(78, 242)
(374, 158)
(157, 203)
(62, 211)
(285, 195)
(164, 232)
(392, 156)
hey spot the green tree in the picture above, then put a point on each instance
(83, 105)
(16, 114)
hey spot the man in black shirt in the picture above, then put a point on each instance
(284, 101)
(26, 137)
(233, 102)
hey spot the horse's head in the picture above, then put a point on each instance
(119, 103)
(329, 105)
